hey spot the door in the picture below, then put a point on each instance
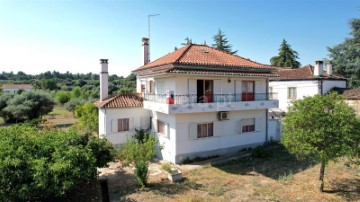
(248, 90)
(205, 91)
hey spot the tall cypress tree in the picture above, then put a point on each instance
(221, 43)
(287, 57)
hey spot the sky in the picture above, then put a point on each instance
(72, 35)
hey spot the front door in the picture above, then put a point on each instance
(248, 91)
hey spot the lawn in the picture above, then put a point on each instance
(280, 177)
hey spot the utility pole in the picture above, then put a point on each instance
(153, 15)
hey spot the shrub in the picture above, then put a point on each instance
(40, 165)
(166, 167)
(139, 153)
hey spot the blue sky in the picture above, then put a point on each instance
(72, 35)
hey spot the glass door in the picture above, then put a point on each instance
(248, 88)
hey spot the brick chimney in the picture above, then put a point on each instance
(104, 77)
(146, 50)
(329, 68)
(318, 69)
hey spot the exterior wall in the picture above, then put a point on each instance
(356, 105)
(14, 90)
(303, 88)
(330, 84)
(140, 119)
(274, 129)
(227, 134)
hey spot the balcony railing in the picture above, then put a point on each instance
(194, 98)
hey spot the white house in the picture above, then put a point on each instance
(197, 100)
(294, 84)
(13, 88)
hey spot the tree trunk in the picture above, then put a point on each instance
(321, 179)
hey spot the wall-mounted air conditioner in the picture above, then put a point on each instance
(223, 116)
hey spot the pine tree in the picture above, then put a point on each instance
(187, 41)
(221, 43)
(287, 57)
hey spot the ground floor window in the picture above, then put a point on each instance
(123, 125)
(248, 125)
(161, 127)
(205, 130)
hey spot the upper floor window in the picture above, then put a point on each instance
(205, 130)
(292, 93)
(151, 87)
(271, 93)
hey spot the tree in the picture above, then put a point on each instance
(139, 152)
(48, 84)
(322, 127)
(221, 43)
(29, 105)
(62, 97)
(187, 41)
(87, 116)
(287, 57)
(42, 165)
(346, 55)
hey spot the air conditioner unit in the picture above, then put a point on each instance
(223, 115)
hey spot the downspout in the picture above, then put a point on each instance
(267, 112)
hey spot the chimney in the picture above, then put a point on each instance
(318, 69)
(104, 77)
(146, 50)
(329, 69)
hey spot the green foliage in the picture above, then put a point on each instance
(260, 152)
(28, 105)
(62, 97)
(321, 127)
(71, 105)
(87, 116)
(221, 43)
(287, 57)
(76, 92)
(139, 154)
(166, 167)
(48, 84)
(47, 164)
(346, 55)
(187, 41)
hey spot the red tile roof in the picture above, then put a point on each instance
(16, 86)
(204, 56)
(303, 73)
(121, 101)
(349, 94)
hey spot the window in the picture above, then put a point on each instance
(291, 93)
(205, 130)
(161, 127)
(152, 87)
(142, 88)
(271, 93)
(248, 125)
(205, 91)
(248, 90)
(123, 125)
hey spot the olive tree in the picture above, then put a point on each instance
(322, 127)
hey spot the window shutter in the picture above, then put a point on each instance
(218, 128)
(114, 125)
(131, 123)
(167, 130)
(217, 89)
(259, 124)
(193, 131)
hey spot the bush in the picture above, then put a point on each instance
(42, 165)
(87, 116)
(139, 153)
(260, 152)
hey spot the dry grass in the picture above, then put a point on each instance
(278, 178)
(60, 117)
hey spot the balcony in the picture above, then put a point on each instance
(191, 103)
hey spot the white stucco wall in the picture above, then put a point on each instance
(330, 84)
(140, 120)
(227, 133)
(303, 88)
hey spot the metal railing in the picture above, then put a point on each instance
(194, 98)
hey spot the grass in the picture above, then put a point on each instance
(60, 117)
(166, 167)
(2, 122)
(280, 177)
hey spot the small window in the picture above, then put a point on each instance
(161, 127)
(271, 93)
(291, 93)
(248, 125)
(142, 88)
(152, 87)
(205, 130)
(123, 125)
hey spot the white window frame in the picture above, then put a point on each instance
(291, 95)
(243, 122)
(207, 130)
(121, 123)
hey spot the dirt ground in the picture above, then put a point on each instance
(278, 178)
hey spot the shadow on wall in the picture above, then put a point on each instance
(279, 163)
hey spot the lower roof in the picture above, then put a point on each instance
(349, 94)
(121, 101)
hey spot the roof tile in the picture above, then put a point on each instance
(121, 101)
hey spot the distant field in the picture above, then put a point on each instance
(60, 117)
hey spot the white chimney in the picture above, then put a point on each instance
(146, 50)
(104, 77)
(329, 68)
(318, 69)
